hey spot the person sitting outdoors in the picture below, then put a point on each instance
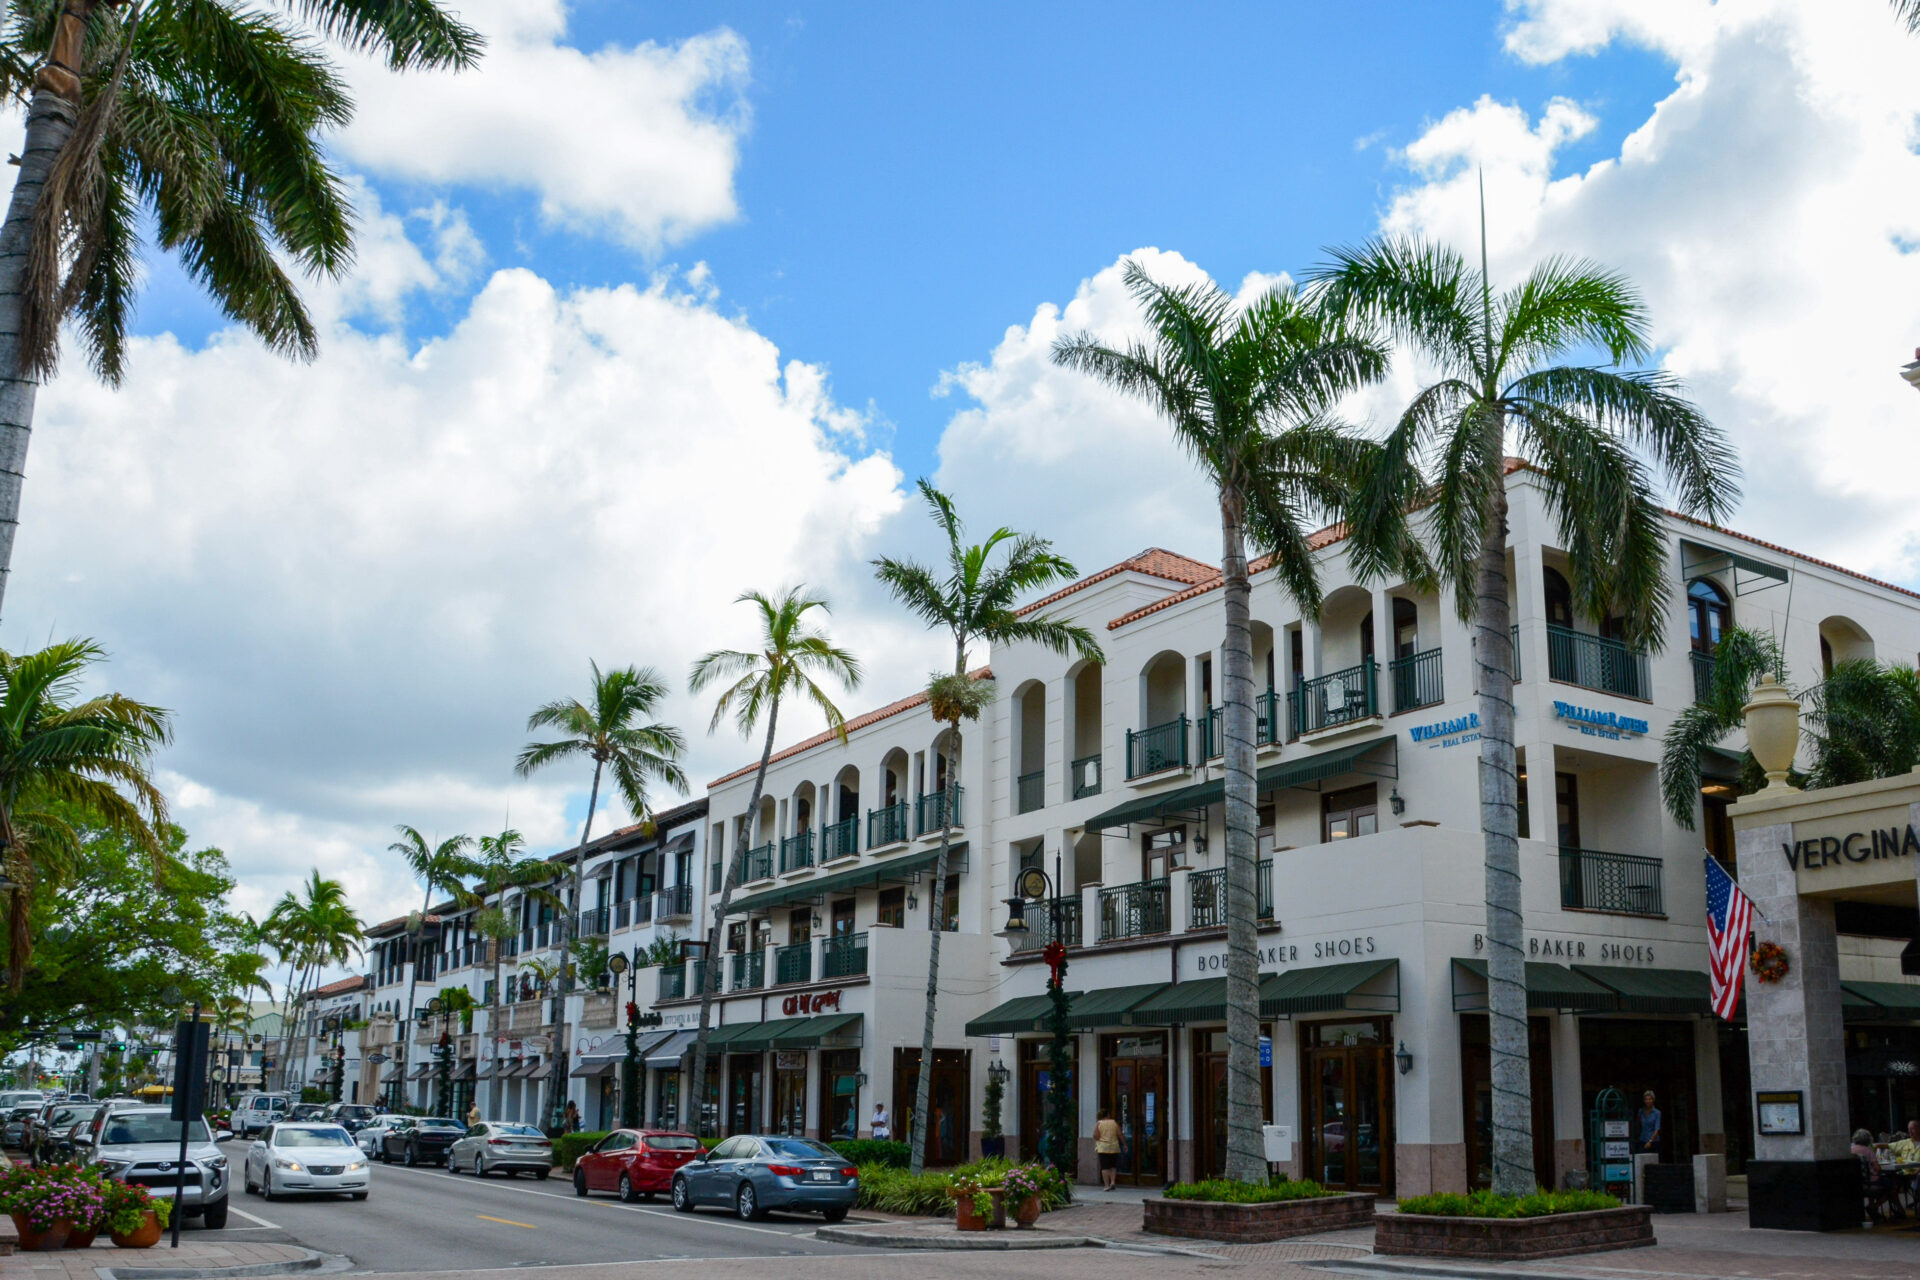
(1906, 1149)
(1878, 1185)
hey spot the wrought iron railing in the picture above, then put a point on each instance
(796, 852)
(1157, 747)
(1619, 882)
(749, 969)
(887, 825)
(1040, 923)
(1595, 662)
(643, 909)
(757, 863)
(1030, 791)
(1086, 776)
(840, 839)
(933, 810)
(1702, 675)
(673, 983)
(674, 903)
(1207, 896)
(1213, 727)
(793, 963)
(592, 924)
(1133, 910)
(1337, 698)
(843, 956)
(1415, 680)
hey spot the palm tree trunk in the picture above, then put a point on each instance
(710, 971)
(51, 117)
(413, 979)
(1246, 1157)
(923, 1090)
(560, 1061)
(1513, 1172)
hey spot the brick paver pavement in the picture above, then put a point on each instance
(83, 1264)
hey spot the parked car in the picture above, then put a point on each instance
(253, 1112)
(637, 1163)
(421, 1140)
(754, 1173)
(47, 1138)
(16, 1122)
(140, 1144)
(495, 1146)
(349, 1115)
(319, 1158)
(368, 1135)
(308, 1112)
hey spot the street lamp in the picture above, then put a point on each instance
(436, 1007)
(630, 1065)
(1058, 1146)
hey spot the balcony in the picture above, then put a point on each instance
(1040, 926)
(593, 924)
(1597, 663)
(1086, 776)
(642, 909)
(844, 956)
(528, 1015)
(1207, 896)
(1158, 747)
(793, 963)
(1415, 681)
(1030, 791)
(887, 825)
(673, 983)
(1622, 883)
(1133, 910)
(1702, 675)
(796, 852)
(596, 1011)
(1338, 698)
(933, 810)
(622, 914)
(749, 969)
(757, 864)
(698, 976)
(840, 840)
(675, 903)
(1213, 727)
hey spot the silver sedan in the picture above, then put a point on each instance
(319, 1158)
(494, 1146)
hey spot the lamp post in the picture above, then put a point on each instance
(1058, 1146)
(443, 1071)
(630, 1065)
(338, 1054)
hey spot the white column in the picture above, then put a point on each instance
(1569, 1121)
(1382, 647)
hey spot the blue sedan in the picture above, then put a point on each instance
(753, 1173)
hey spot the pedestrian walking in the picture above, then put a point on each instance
(1106, 1145)
(882, 1128)
(572, 1120)
(1650, 1126)
(473, 1114)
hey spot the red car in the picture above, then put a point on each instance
(637, 1163)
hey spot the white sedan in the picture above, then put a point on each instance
(369, 1134)
(319, 1158)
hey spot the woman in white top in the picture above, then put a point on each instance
(882, 1131)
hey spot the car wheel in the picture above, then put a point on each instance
(214, 1216)
(682, 1196)
(835, 1215)
(413, 1156)
(579, 1182)
(539, 1175)
(747, 1204)
(266, 1185)
(627, 1194)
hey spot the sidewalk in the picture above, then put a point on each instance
(214, 1259)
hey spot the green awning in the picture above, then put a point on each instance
(811, 1033)
(1104, 1007)
(885, 871)
(1010, 1017)
(1331, 988)
(1549, 986)
(727, 1033)
(1900, 1000)
(1653, 990)
(1721, 764)
(1701, 557)
(1275, 777)
(758, 1037)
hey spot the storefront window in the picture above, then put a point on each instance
(1210, 1098)
(840, 1095)
(666, 1099)
(1346, 1103)
(1134, 1089)
(1035, 1082)
(790, 1093)
(744, 1097)
(949, 1103)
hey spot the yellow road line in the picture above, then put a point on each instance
(506, 1221)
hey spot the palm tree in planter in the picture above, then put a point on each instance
(1249, 393)
(792, 659)
(1441, 483)
(202, 119)
(975, 599)
(442, 868)
(614, 730)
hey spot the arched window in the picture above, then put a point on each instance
(1559, 600)
(1406, 627)
(1708, 614)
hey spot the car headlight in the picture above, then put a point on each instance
(218, 1162)
(113, 1168)
(288, 1164)
(357, 1164)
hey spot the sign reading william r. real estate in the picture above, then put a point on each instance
(1447, 733)
(1597, 723)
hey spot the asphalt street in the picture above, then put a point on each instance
(431, 1220)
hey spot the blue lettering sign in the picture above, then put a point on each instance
(1469, 723)
(1592, 720)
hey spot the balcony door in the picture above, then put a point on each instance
(1352, 812)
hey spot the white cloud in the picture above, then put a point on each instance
(638, 142)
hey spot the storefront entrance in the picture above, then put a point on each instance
(1476, 1085)
(839, 1094)
(1635, 1057)
(1133, 1087)
(1210, 1100)
(947, 1105)
(746, 1097)
(790, 1093)
(1346, 1103)
(1035, 1075)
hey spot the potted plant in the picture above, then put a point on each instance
(993, 1142)
(1027, 1188)
(47, 1205)
(978, 1202)
(135, 1219)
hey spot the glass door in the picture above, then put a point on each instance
(790, 1094)
(743, 1093)
(1136, 1089)
(1347, 1104)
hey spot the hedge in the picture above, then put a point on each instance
(874, 1151)
(1485, 1204)
(892, 1190)
(1230, 1192)
(569, 1147)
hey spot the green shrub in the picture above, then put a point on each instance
(1485, 1204)
(895, 1190)
(569, 1147)
(1231, 1192)
(866, 1151)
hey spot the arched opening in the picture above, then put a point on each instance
(1161, 742)
(1709, 614)
(1083, 743)
(1842, 640)
(1559, 598)
(840, 838)
(1030, 747)
(1347, 688)
(887, 824)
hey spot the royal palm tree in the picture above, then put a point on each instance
(1441, 484)
(614, 731)
(95, 753)
(320, 930)
(1249, 392)
(498, 868)
(442, 868)
(792, 659)
(975, 599)
(204, 119)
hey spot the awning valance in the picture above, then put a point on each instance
(464, 1073)
(1652, 990)
(1010, 1017)
(665, 1054)
(755, 1037)
(1549, 986)
(886, 871)
(1102, 1007)
(421, 1071)
(593, 1066)
(1887, 1000)
(1281, 994)
(539, 1071)
(1275, 777)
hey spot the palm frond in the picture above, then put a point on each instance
(409, 33)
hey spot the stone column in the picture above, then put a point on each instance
(1569, 1117)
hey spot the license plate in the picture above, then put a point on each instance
(823, 1175)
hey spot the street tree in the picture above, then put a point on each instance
(499, 867)
(320, 929)
(974, 598)
(441, 869)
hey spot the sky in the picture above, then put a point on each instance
(667, 302)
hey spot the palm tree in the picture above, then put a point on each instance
(442, 868)
(1584, 427)
(1249, 394)
(1908, 12)
(95, 753)
(205, 119)
(319, 929)
(499, 868)
(974, 600)
(614, 732)
(792, 658)
(1739, 661)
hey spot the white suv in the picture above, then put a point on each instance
(141, 1147)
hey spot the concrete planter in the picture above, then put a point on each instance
(1555, 1235)
(1256, 1223)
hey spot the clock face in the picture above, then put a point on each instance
(1033, 883)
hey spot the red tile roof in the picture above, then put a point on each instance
(857, 722)
(339, 988)
(1154, 561)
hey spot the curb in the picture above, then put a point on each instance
(998, 1242)
(313, 1261)
(1451, 1270)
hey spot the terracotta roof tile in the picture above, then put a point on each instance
(341, 987)
(1154, 561)
(856, 723)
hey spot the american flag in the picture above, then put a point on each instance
(1729, 918)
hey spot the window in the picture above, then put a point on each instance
(671, 1142)
(1353, 812)
(950, 904)
(800, 925)
(893, 908)
(1366, 637)
(843, 917)
(737, 936)
(1566, 795)
(1161, 852)
(1708, 614)
(1406, 628)
(1559, 599)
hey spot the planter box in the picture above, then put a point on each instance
(1256, 1223)
(1513, 1239)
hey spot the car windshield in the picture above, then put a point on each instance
(519, 1130)
(354, 1113)
(311, 1138)
(798, 1149)
(441, 1122)
(672, 1142)
(127, 1127)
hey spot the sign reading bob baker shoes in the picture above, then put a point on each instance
(1274, 956)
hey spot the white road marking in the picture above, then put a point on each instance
(615, 1204)
(234, 1208)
